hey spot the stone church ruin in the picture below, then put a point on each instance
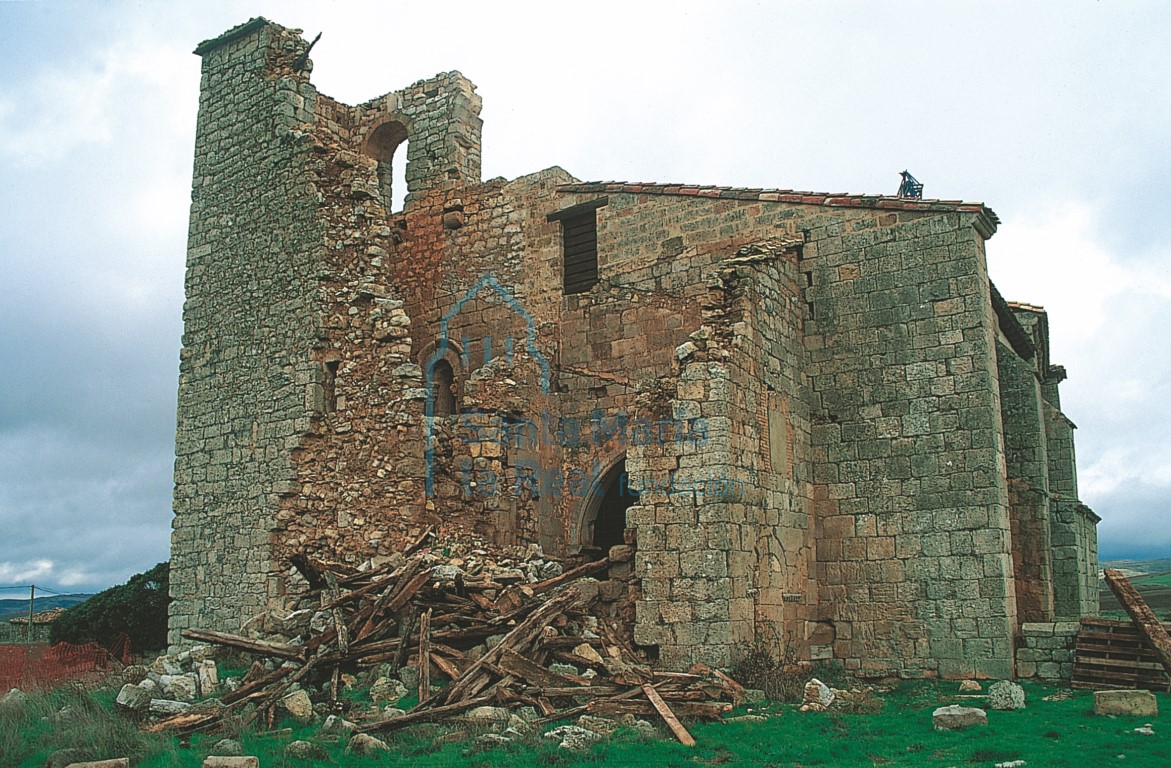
(811, 418)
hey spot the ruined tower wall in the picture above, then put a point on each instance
(914, 551)
(254, 247)
(1027, 465)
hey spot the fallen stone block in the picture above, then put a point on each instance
(166, 707)
(121, 762)
(299, 706)
(364, 744)
(1126, 703)
(133, 698)
(231, 761)
(1006, 695)
(954, 717)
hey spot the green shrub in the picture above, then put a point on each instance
(137, 608)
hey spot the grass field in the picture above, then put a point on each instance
(1046, 733)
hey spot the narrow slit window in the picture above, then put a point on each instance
(330, 386)
(579, 245)
(444, 382)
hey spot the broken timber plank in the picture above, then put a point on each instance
(339, 622)
(573, 573)
(523, 634)
(425, 655)
(534, 674)
(668, 716)
(280, 650)
(426, 715)
(1144, 618)
(255, 686)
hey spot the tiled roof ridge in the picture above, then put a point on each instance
(837, 199)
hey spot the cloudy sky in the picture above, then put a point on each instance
(1057, 115)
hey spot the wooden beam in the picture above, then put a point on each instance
(431, 715)
(425, 655)
(668, 716)
(1144, 618)
(263, 647)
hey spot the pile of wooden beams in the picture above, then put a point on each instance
(1118, 654)
(488, 642)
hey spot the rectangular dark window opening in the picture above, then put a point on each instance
(579, 244)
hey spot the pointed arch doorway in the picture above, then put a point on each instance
(604, 510)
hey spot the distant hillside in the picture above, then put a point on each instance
(11, 609)
(1152, 578)
(1136, 567)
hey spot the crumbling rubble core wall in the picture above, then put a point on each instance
(840, 451)
(361, 469)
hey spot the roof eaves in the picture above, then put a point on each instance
(232, 34)
(986, 219)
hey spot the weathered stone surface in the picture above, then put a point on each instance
(409, 676)
(954, 717)
(364, 744)
(180, 687)
(134, 674)
(817, 696)
(387, 691)
(970, 686)
(167, 707)
(209, 677)
(227, 748)
(574, 738)
(299, 706)
(336, 725)
(486, 715)
(14, 699)
(133, 698)
(304, 750)
(231, 761)
(118, 762)
(1126, 703)
(1006, 695)
(587, 651)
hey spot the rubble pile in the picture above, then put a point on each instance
(463, 630)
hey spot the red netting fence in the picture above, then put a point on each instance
(40, 666)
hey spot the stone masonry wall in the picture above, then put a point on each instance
(249, 321)
(914, 551)
(1073, 525)
(1028, 484)
(1046, 651)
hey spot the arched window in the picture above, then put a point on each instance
(443, 383)
(388, 145)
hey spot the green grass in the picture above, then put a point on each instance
(1055, 733)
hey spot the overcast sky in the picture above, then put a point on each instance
(1057, 115)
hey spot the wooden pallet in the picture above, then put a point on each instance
(1113, 654)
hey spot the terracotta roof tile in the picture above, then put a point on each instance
(833, 200)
